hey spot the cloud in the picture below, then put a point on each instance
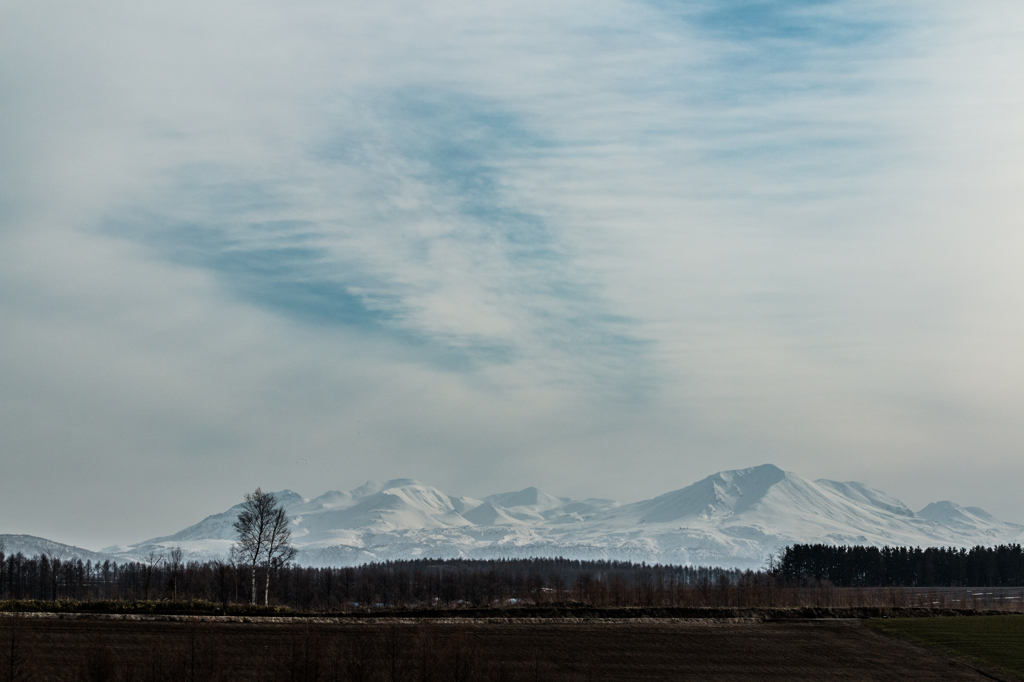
(594, 247)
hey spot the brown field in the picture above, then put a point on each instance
(94, 648)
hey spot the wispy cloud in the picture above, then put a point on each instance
(486, 244)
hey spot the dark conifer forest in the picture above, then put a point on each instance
(1001, 566)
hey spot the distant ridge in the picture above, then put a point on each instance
(30, 545)
(732, 518)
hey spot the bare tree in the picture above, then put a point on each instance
(252, 528)
(175, 562)
(278, 549)
(222, 569)
(152, 561)
(53, 557)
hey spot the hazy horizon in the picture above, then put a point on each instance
(606, 249)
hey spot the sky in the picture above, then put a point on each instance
(606, 248)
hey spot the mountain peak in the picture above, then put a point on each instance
(953, 515)
(752, 480)
(534, 499)
(289, 499)
(489, 515)
(403, 483)
(722, 494)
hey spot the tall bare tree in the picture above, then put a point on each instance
(251, 530)
(278, 549)
(175, 561)
(264, 536)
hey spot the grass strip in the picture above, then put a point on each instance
(995, 642)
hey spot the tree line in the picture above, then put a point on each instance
(421, 583)
(456, 583)
(858, 566)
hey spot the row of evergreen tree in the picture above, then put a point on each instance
(1001, 566)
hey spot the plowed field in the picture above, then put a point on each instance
(607, 651)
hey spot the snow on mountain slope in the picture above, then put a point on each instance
(465, 504)
(733, 518)
(529, 505)
(719, 496)
(531, 499)
(573, 512)
(968, 520)
(862, 494)
(219, 526)
(489, 515)
(402, 504)
(30, 545)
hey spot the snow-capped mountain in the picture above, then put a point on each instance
(30, 546)
(732, 518)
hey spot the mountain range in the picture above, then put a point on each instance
(732, 518)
